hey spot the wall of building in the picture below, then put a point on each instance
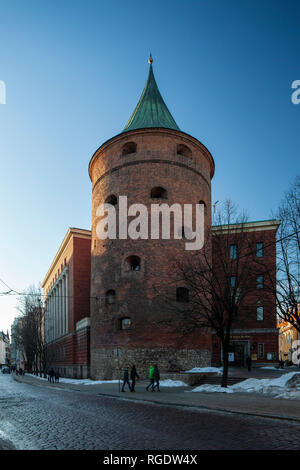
(154, 164)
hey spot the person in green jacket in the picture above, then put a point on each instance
(151, 377)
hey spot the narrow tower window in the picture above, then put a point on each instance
(128, 148)
(133, 263)
(125, 323)
(184, 151)
(112, 199)
(110, 297)
(159, 193)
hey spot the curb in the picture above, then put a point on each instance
(202, 407)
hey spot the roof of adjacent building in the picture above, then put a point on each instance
(151, 110)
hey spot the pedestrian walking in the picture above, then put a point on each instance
(56, 375)
(156, 376)
(249, 362)
(51, 374)
(126, 379)
(133, 375)
(151, 377)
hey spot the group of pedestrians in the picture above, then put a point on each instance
(154, 377)
(133, 375)
(53, 375)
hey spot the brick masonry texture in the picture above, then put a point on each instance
(112, 361)
(154, 164)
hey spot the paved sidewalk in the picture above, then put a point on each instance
(242, 403)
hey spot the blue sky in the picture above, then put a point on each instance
(74, 71)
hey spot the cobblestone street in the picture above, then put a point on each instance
(48, 418)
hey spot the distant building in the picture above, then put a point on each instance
(4, 348)
(17, 354)
(67, 306)
(287, 335)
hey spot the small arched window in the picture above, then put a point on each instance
(133, 263)
(110, 297)
(125, 323)
(159, 193)
(184, 151)
(112, 199)
(128, 148)
(182, 294)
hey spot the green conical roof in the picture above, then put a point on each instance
(151, 110)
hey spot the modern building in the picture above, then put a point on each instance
(255, 333)
(67, 306)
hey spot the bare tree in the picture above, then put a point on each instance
(30, 330)
(287, 288)
(217, 286)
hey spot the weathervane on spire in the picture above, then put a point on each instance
(150, 60)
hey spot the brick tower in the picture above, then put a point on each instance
(151, 161)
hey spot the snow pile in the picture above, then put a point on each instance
(201, 370)
(286, 386)
(88, 381)
(78, 381)
(172, 383)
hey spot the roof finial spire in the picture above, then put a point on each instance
(150, 60)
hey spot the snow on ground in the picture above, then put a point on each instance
(277, 388)
(217, 370)
(79, 381)
(172, 383)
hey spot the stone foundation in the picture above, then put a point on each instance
(107, 364)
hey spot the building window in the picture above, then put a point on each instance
(182, 294)
(184, 151)
(259, 250)
(260, 351)
(129, 148)
(110, 297)
(158, 193)
(125, 323)
(112, 199)
(233, 281)
(259, 313)
(260, 282)
(133, 263)
(233, 251)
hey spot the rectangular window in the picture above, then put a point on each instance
(260, 282)
(259, 250)
(233, 251)
(260, 351)
(259, 313)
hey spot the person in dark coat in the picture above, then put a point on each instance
(156, 376)
(56, 374)
(249, 362)
(126, 380)
(133, 376)
(51, 374)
